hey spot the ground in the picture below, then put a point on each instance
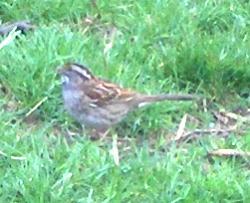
(163, 153)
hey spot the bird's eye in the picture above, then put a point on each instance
(64, 79)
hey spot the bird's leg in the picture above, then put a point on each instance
(99, 134)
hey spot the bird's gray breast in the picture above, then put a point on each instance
(73, 101)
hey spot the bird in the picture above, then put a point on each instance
(99, 104)
(22, 25)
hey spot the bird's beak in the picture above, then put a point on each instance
(60, 70)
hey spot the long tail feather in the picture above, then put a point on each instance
(147, 99)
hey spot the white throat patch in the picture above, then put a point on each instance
(64, 79)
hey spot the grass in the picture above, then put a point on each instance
(162, 46)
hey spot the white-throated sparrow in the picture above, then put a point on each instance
(99, 104)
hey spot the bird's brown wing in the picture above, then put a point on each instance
(103, 93)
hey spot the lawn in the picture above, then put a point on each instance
(198, 47)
